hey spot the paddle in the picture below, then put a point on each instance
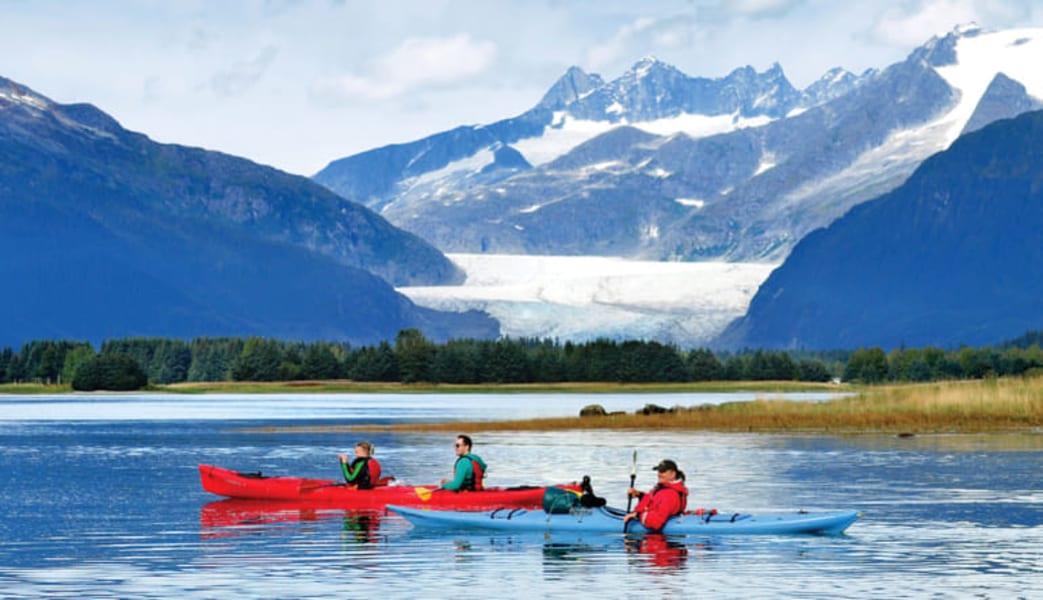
(307, 485)
(423, 493)
(633, 478)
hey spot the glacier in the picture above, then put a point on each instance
(582, 298)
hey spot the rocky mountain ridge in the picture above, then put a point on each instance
(659, 165)
(105, 233)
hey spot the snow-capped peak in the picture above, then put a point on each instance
(970, 29)
(981, 57)
(18, 94)
(83, 117)
(649, 65)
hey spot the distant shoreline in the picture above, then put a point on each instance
(356, 387)
(976, 406)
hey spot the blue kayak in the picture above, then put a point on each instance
(609, 520)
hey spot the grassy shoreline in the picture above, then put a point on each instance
(1004, 405)
(991, 405)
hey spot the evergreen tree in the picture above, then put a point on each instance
(170, 362)
(703, 365)
(259, 361)
(319, 362)
(74, 358)
(375, 364)
(548, 363)
(212, 358)
(16, 369)
(813, 370)
(290, 364)
(734, 368)
(456, 362)
(781, 367)
(414, 354)
(117, 372)
(868, 365)
(508, 363)
(6, 356)
(976, 363)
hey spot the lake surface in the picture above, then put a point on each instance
(101, 499)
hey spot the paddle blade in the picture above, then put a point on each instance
(423, 493)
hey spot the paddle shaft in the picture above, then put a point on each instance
(633, 478)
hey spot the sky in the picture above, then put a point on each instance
(296, 84)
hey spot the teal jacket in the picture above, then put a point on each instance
(463, 473)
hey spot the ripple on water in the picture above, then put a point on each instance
(115, 510)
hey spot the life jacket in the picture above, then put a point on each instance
(370, 476)
(654, 513)
(473, 483)
(374, 471)
(682, 491)
(479, 475)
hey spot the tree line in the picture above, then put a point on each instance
(412, 358)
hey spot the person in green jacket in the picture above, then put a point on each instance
(469, 470)
(364, 472)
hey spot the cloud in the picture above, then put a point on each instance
(240, 76)
(914, 23)
(416, 64)
(762, 8)
(641, 37)
(687, 29)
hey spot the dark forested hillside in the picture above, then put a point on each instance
(104, 233)
(954, 256)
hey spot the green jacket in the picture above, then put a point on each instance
(463, 473)
(357, 473)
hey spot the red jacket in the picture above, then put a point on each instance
(663, 502)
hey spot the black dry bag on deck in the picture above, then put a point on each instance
(588, 499)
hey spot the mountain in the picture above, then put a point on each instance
(104, 233)
(951, 257)
(396, 178)
(53, 144)
(656, 164)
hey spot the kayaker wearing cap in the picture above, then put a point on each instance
(363, 472)
(668, 498)
(469, 470)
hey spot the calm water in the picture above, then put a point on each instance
(101, 499)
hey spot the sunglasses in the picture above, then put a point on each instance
(458, 445)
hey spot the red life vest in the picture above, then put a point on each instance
(374, 471)
(479, 474)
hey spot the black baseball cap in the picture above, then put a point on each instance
(665, 465)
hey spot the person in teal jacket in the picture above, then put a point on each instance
(469, 470)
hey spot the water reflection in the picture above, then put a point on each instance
(946, 516)
(659, 550)
(361, 527)
(235, 517)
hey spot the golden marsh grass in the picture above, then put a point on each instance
(1009, 404)
(957, 407)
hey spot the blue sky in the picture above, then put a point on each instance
(298, 83)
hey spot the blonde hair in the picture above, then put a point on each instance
(368, 447)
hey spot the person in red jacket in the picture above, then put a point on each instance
(668, 498)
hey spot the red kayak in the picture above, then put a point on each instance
(233, 484)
